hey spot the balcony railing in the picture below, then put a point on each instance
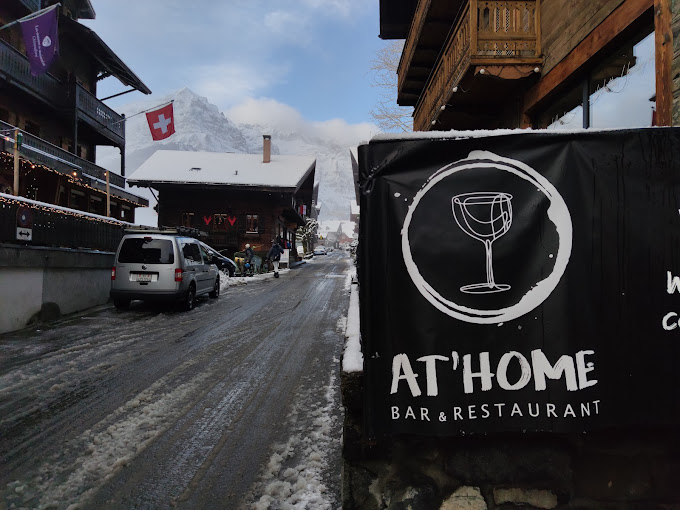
(419, 16)
(33, 5)
(487, 33)
(100, 116)
(59, 159)
(16, 67)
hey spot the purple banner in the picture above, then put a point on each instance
(41, 40)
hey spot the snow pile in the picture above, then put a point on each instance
(226, 281)
(353, 359)
(293, 478)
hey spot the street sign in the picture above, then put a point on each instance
(24, 224)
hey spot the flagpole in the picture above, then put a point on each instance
(30, 16)
(143, 111)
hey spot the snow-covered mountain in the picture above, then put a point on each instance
(200, 126)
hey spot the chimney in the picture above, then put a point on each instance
(266, 148)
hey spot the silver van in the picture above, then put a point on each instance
(162, 266)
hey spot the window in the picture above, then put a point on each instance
(251, 223)
(146, 251)
(221, 221)
(620, 90)
(192, 254)
(187, 219)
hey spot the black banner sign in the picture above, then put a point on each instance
(524, 281)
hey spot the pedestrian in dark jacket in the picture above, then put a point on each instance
(274, 255)
(248, 260)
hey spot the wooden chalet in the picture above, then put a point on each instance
(60, 117)
(483, 64)
(235, 198)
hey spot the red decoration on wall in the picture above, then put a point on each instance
(232, 220)
(207, 219)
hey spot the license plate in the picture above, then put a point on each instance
(143, 277)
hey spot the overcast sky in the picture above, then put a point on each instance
(306, 58)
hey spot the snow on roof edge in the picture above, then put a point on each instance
(482, 133)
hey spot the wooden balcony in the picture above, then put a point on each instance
(59, 97)
(32, 5)
(99, 116)
(488, 33)
(15, 68)
(41, 152)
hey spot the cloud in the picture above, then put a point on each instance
(229, 82)
(272, 113)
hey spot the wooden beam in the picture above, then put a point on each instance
(600, 37)
(663, 43)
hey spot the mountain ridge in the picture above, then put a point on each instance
(200, 126)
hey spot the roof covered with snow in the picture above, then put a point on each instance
(220, 168)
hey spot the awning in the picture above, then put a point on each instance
(110, 63)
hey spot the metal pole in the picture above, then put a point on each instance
(108, 195)
(16, 162)
(586, 102)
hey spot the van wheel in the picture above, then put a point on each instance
(216, 290)
(190, 299)
(121, 304)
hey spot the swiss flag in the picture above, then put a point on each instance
(161, 122)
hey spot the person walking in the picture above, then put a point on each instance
(274, 255)
(248, 260)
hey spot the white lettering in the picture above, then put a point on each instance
(584, 368)
(550, 408)
(543, 368)
(485, 411)
(424, 414)
(484, 374)
(457, 413)
(395, 413)
(472, 412)
(410, 413)
(665, 324)
(500, 409)
(401, 369)
(673, 283)
(569, 411)
(431, 373)
(502, 371)
(516, 410)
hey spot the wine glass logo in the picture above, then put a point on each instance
(484, 216)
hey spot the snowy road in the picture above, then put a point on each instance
(233, 405)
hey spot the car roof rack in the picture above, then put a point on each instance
(178, 230)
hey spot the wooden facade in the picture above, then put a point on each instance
(232, 213)
(60, 117)
(488, 64)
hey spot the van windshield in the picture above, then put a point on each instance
(146, 251)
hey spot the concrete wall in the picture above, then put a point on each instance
(40, 284)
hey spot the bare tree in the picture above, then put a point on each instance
(387, 114)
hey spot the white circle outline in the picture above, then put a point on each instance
(557, 212)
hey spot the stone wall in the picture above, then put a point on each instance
(631, 470)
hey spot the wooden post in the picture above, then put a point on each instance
(663, 42)
(108, 195)
(16, 162)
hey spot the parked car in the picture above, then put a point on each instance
(320, 250)
(162, 266)
(220, 260)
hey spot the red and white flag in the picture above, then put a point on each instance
(161, 122)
